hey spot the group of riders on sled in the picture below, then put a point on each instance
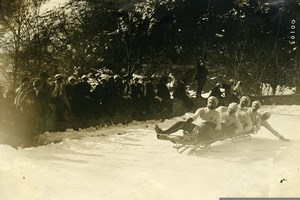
(212, 123)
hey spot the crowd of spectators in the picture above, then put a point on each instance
(47, 103)
(56, 103)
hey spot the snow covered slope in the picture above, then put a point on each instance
(128, 162)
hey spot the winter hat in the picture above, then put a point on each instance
(71, 78)
(84, 77)
(233, 106)
(58, 76)
(256, 103)
(214, 99)
(245, 98)
(117, 76)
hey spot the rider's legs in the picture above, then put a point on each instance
(181, 125)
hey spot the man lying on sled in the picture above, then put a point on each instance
(260, 119)
(204, 123)
(231, 124)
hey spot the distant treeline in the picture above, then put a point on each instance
(254, 41)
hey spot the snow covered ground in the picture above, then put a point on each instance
(128, 162)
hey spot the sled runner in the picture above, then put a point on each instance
(244, 136)
(187, 141)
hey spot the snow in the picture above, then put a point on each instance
(128, 162)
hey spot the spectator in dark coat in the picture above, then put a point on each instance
(70, 89)
(43, 101)
(216, 91)
(137, 94)
(30, 112)
(81, 102)
(162, 90)
(61, 103)
(229, 96)
(21, 90)
(201, 77)
(150, 103)
(181, 94)
(127, 104)
(163, 93)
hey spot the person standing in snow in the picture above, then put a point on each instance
(163, 94)
(60, 101)
(21, 90)
(200, 77)
(181, 93)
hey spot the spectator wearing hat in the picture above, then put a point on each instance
(21, 90)
(99, 94)
(126, 82)
(119, 86)
(118, 97)
(43, 100)
(60, 102)
(108, 96)
(126, 99)
(81, 101)
(163, 93)
(28, 102)
(29, 107)
(149, 96)
(70, 90)
(200, 77)
(137, 94)
(181, 94)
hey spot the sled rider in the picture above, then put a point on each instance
(231, 125)
(205, 121)
(264, 117)
(255, 116)
(260, 119)
(243, 115)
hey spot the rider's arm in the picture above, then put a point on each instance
(265, 124)
(197, 114)
(258, 123)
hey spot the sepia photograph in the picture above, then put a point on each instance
(149, 99)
